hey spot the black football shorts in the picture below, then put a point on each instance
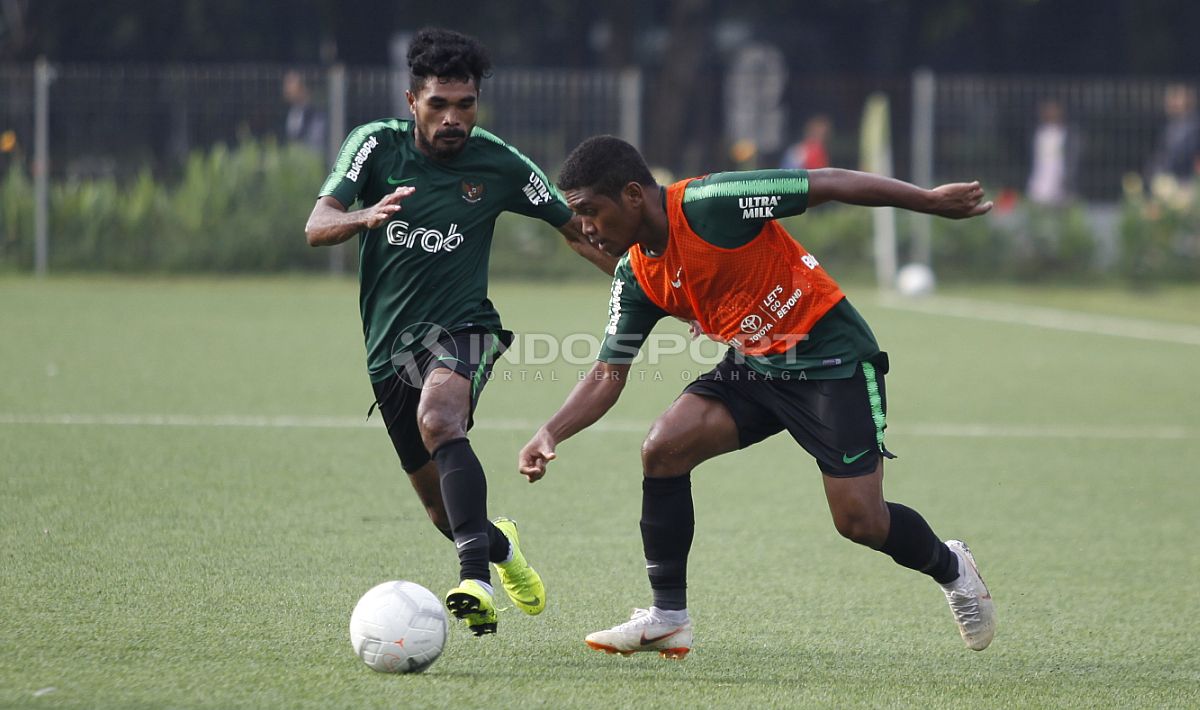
(839, 422)
(471, 352)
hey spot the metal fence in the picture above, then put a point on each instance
(984, 126)
(16, 111)
(119, 120)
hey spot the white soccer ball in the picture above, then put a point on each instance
(398, 627)
(915, 280)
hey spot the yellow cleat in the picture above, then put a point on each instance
(521, 582)
(471, 602)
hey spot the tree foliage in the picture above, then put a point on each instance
(848, 36)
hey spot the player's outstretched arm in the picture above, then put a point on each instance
(574, 235)
(331, 224)
(956, 200)
(589, 400)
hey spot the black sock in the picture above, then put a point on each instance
(912, 544)
(497, 544)
(668, 523)
(464, 492)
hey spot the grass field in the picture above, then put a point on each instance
(191, 504)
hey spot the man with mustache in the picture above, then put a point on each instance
(432, 188)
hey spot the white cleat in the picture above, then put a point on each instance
(970, 600)
(646, 630)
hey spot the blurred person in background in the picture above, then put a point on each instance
(433, 187)
(810, 152)
(1178, 152)
(1056, 153)
(9, 150)
(304, 123)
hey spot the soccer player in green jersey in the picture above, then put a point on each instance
(432, 188)
(801, 359)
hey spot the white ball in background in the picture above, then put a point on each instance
(915, 280)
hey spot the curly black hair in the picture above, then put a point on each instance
(446, 54)
(606, 164)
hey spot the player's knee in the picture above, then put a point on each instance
(659, 461)
(437, 428)
(861, 526)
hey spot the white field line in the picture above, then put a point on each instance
(926, 429)
(1049, 318)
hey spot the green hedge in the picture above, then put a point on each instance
(243, 210)
(1160, 232)
(1026, 243)
(16, 220)
(232, 210)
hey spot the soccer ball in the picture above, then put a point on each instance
(915, 280)
(398, 627)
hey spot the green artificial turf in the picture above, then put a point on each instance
(198, 533)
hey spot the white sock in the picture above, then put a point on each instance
(671, 616)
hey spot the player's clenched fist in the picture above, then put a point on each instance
(534, 456)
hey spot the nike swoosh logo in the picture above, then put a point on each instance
(652, 639)
(527, 602)
(678, 281)
(986, 594)
(846, 458)
(464, 543)
(442, 358)
(393, 181)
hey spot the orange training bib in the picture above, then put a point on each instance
(762, 297)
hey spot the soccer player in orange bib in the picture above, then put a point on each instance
(709, 250)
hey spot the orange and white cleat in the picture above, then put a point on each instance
(647, 630)
(970, 601)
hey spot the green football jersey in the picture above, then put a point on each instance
(428, 265)
(728, 210)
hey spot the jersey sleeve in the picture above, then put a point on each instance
(349, 175)
(534, 196)
(729, 209)
(631, 317)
